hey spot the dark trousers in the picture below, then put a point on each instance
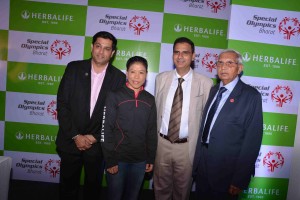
(70, 172)
(204, 191)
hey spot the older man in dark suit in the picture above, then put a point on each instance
(230, 134)
(80, 101)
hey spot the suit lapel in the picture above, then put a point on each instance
(212, 94)
(85, 76)
(229, 104)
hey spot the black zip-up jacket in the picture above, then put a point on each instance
(129, 131)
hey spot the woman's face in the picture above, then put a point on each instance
(136, 76)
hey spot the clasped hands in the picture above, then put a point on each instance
(84, 142)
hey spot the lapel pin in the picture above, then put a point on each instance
(231, 100)
(86, 74)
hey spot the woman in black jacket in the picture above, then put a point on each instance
(129, 137)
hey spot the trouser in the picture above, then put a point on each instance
(126, 184)
(70, 172)
(203, 189)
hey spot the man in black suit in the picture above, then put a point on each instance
(80, 102)
(230, 137)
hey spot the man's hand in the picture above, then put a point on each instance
(82, 142)
(91, 139)
(149, 167)
(113, 170)
(234, 190)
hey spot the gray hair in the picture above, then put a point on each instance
(238, 55)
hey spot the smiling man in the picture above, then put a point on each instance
(230, 134)
(80, 102)
(180, 97)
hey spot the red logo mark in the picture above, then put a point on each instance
(273, 160)
(209, 61)
(139, 24)
(52, 167)
(289, 27)
(231, 100)
(281, 95)
(51, 109)
(60, 48)
(216, 5)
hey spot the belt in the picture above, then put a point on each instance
(179, 140)
(204, 144)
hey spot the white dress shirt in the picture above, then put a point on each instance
(186, 88)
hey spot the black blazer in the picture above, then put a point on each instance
(73, 104)
(235, 138)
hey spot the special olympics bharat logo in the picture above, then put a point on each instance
(52, 167)
(139, 24)
(282, 95)
(60, 48)
(289, 27)
(51, 109)
(209, 61)
(216, 5)
(273, 160)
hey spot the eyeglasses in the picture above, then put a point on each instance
(227, 64)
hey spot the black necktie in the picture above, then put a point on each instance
(211, 114)
(175, 116)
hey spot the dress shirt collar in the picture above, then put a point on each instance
(230, 85)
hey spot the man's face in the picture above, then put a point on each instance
(228, 67)
(183, 56)
(102, 51)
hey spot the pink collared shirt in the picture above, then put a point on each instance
(96, 84)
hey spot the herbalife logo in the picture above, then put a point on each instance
(38, 77)
(25, 14)
(139, 24)
(22, 76)
(19, 135)
(177, 28)
(52, 167)
(216, 5)
(273, 160)
(289, 27)
(246, 56)
(268, 59)
(282, 95)
(198, 30)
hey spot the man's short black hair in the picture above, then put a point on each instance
(106, 35)
(184, 40)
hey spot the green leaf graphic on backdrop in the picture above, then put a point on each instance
(153, 5)
(30, 137)
(279, 129)
(47, 17)
(292, 5)
(204, 32)
(33, 78)
(268, 60)
(128, 48)
(2, 106)
(3, 44)
(266, 188)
